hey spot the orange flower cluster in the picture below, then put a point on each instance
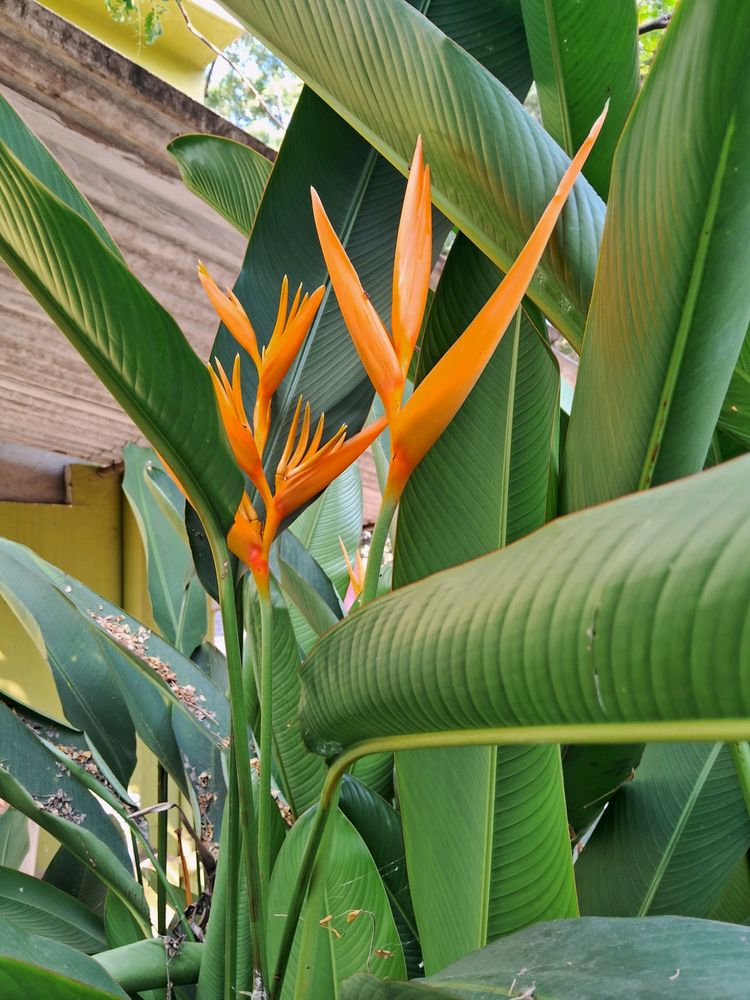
(308, 465)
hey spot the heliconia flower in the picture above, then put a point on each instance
(418, 423)
(306, 469)
(239, 432)
(356, 575)
(245, 539)
(274, 360)
(412, 264)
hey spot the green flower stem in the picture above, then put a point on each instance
(377, 545)
(266, 732)
(162, 794)
(741, 757)
(249, 839)
(230, 844)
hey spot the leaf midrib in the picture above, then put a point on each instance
(666, 397)
(677, 831)
(554, 44)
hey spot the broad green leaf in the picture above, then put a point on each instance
(589, 959)
(582, 56)
(351, 882)
(299, 772)
(336, 514)
(671, 308)
(33, 781)
(40, 908)
(735, 412)
(31, 966)
(178, 601)
(314, 605)
(177, 710)
(379, 825)
(422, 82)
(669, 839)
(228, 175)
(37, 158)
(376, 772)
(467, 811)
(733, 905)
(620, 621)
(14, 838)
(77, 662)
(122, 333)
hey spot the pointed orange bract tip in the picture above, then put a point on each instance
(365, 326)
(287, 340)
(437, 399)
(231, 314)
(413, 261)
(312, 476)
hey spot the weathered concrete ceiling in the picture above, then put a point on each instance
(107, 121)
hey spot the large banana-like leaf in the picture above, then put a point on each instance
(349, 918)
(615, 623)
(80, 669)
(583, 54)
(228, 175)
(471, 814)
(176, 709)
(589, 959)
(123, 334)
(670, 839)
(393, 75)
(733, 905)
(178, 601)
(32, 966)
(37, 158)
(40, 908)
(671, 306)
(35, 782)
(379, 825)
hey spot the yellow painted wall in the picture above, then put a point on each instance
(94, 537)
(177, 56)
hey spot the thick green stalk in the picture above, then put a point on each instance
(162, 793)
(249, 839)
(377, 545)
(266, 731)
(741, 756)
(146, 965)
(230, 844)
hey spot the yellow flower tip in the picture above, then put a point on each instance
(356, 575)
